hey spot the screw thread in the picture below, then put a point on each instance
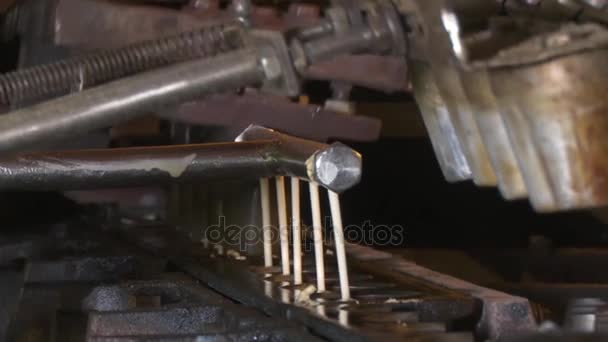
(80, 72)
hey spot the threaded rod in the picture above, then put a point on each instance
(77, 73)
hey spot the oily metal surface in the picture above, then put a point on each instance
(259, 153)
(72, 170)
(411, 309)
(502, 314)
(88, 285)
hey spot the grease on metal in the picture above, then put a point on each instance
(173, 166)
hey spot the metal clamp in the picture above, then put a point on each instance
(275, 57)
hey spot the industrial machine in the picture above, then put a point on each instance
(206, 170)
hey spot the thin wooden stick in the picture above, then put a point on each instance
(336, 215)
(297, 231)
(317, 228)
(266, 224)
(283, 226)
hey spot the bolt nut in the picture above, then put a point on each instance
(336, 167)
(298, 56)
(338, 18)
(271, 65)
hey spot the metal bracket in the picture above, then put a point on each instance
(274, 50)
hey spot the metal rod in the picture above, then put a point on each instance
(130, 167)
(126, 99)
(351, 42)
(332, 166)
(324, 27)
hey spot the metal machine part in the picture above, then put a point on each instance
(261, 153)
(560, 98)
(439, 25)
(510, 131)
(129, 98)
(336, 167)
(81, 72)
(494, 135)
(270, 65)
(511, 96)
(439, 124)
(121, 23)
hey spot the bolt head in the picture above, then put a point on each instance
(337, 167)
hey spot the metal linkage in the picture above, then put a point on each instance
(110, 168)
(272, 64)
(81, 72)
(382, 33)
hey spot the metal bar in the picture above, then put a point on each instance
(131, 167)
(126, 99)
(237, 112)
(328, 47)
(323, 28)
(270, 156)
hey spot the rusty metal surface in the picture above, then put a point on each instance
(477, 86)
(558, 107)
(524, 97)
(306, 121)
(520, 135)
(384, 73)
(567, 124)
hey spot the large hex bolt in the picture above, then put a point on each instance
(337, 167)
